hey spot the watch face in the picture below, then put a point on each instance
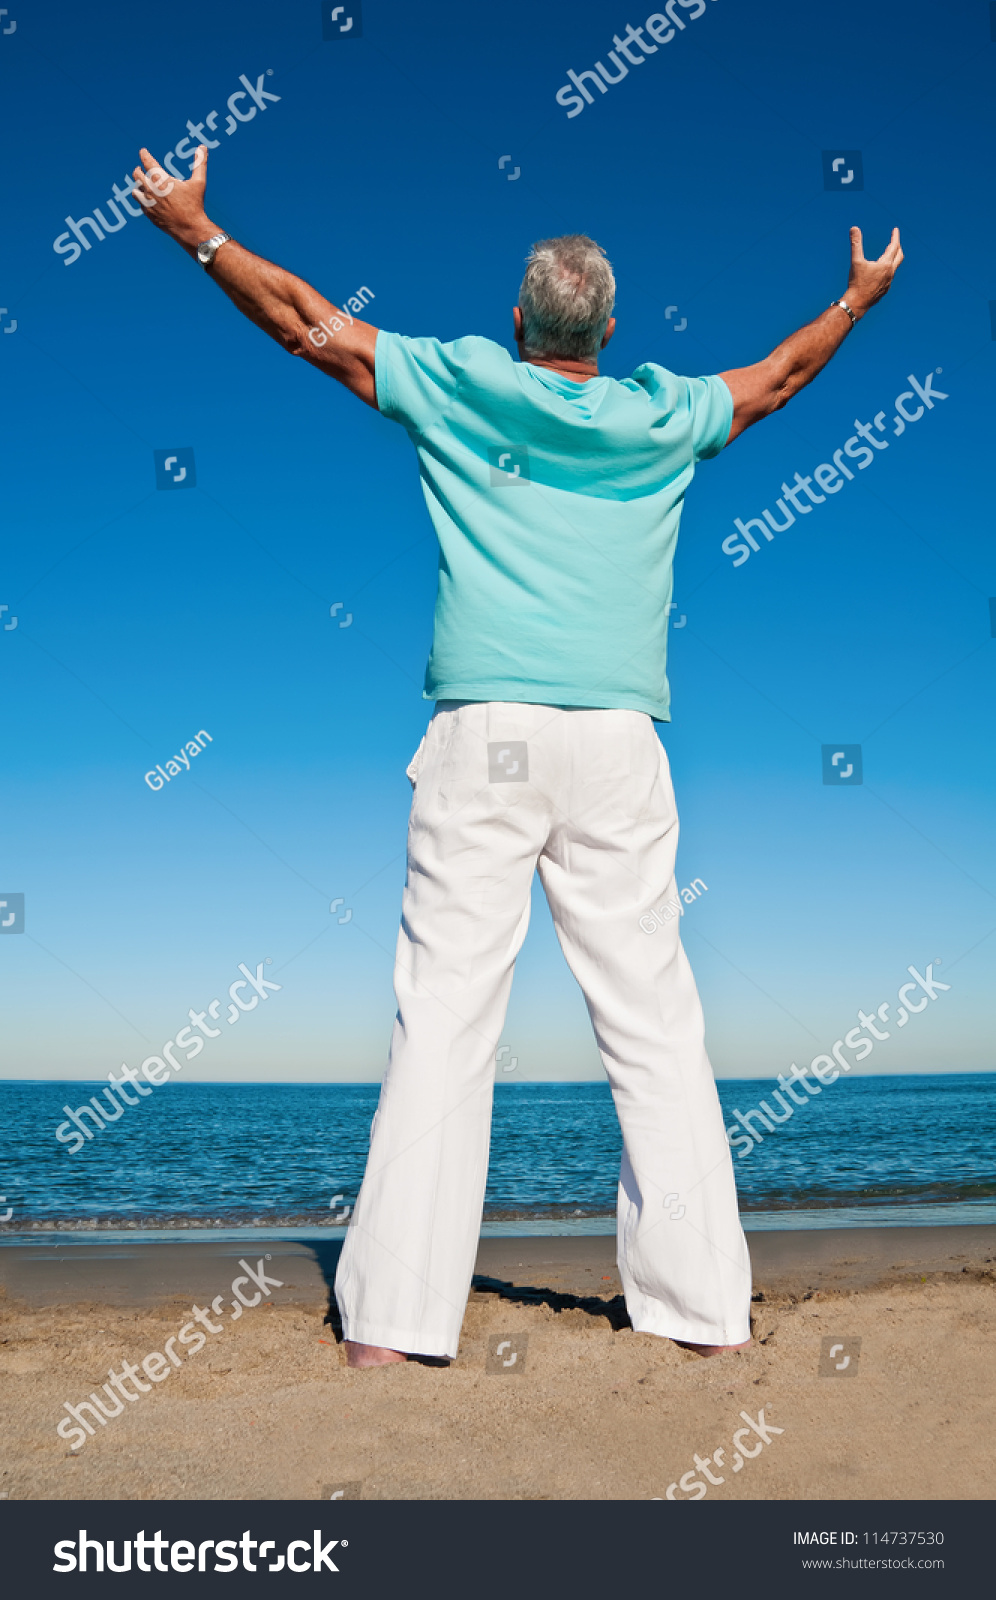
(207, 251)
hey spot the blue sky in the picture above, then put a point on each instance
(144, 616)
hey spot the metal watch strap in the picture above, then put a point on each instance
(216, 240)
(844, 307)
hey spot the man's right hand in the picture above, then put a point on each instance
(176, 205)
(289, 310)
(868, 281)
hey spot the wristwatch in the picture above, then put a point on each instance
(842, 303)
(207, 251)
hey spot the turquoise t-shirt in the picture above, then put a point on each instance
(557, 505)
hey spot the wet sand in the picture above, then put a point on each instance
(587, 1409)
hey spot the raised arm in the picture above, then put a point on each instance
(770, 384)
(285, 307)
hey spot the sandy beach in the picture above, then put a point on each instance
(552, 1395)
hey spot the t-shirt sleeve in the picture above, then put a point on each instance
(416, 379)
(711, 406)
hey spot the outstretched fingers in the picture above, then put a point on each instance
(198, 172)
(153, 169)
(153, 179)
(857, 248)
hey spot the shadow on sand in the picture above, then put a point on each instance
(327, 1251)
(613, 1310)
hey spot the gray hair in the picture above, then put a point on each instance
(566, 298)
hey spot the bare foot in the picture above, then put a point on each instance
(710, 1349)
(371, 1355)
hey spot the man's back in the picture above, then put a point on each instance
(556, 494)
(557, 506)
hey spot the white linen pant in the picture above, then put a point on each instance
(585, 797)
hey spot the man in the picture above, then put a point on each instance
(556, 495)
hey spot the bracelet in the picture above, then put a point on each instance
(844, 307)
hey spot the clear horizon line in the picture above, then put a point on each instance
(373, 1083)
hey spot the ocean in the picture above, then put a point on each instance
(873, 1150)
